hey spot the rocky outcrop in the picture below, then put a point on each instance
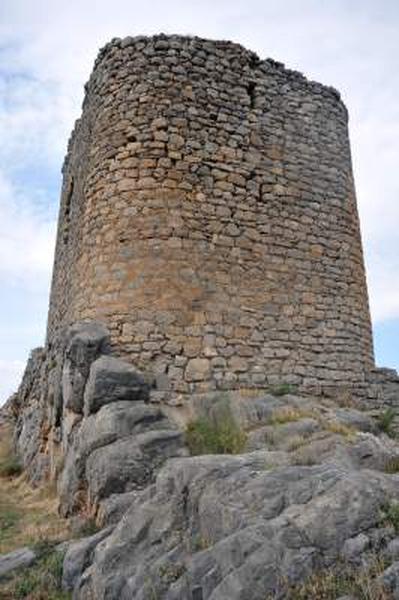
(315, 484)
(116, 450)
(83, 417)
(249, 527)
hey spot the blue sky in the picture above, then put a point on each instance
(47, 49)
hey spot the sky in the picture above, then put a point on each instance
(47, 50)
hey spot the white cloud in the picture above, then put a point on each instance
(353, 46)
(27, 235)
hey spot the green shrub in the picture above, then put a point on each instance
(282, 389)
(219, 434)
(386, 422)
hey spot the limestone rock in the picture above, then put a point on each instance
(390, 579)
(85, 341)
(129, 463)
(115, 450)
(110, 380)
(18, 559)
(112, 509)
(78, 557)
(245, 531)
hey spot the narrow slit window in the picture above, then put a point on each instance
(67, 211)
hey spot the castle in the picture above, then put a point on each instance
(209, 242)
(208, 218)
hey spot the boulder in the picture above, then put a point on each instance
(84, 342)
(390, 579)
(117, 420)
(129, 463)
(111, 380)
(355, 546)
(115, 450)
(18, 559)
(78, 557)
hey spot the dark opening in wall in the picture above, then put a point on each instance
(251, 93)
(67, 210)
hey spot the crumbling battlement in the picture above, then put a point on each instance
(208, 217)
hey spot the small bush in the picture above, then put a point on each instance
(391, 514)
(215, 435)
(391, 465)
(282, 389)
(330, 584)
(386, 422)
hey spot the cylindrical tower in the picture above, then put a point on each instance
(208, 217)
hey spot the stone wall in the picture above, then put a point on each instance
(208, 217)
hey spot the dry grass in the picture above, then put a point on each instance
(42, 581)
(338, 428)
(391, 465)
(27, 516)
(288, 414)
(330, 584)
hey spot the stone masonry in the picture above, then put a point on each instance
(208, 217)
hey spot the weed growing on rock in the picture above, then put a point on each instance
(392, 465)
(339, 428)
(282, 389)
(219, 434)
(386, 422)
(391, 514)
(330, 584)
(288, 414)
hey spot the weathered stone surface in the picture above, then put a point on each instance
(390, 579)
(392, 549)
(78, 557)
(244, 531)
(112, 509)
(117, 449)
(118, 420)
(18, 559)
(197, 369)
(84, 343)
(129, 463)
(110, 380)
(354, 547)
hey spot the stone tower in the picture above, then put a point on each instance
(208, 217)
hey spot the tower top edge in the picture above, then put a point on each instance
(163, 43)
